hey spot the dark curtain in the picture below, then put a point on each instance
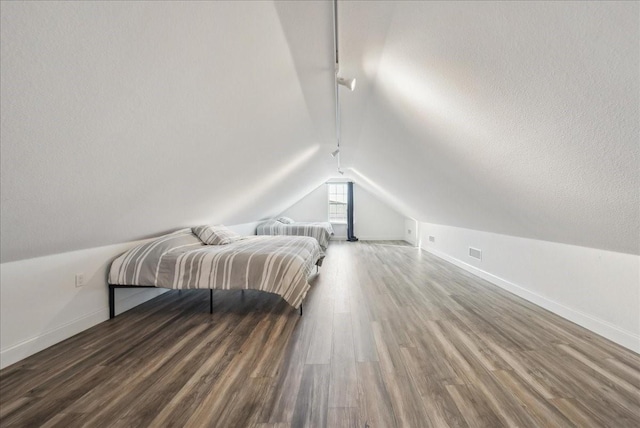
(350, 235)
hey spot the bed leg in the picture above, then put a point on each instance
(300, 309)
(211, 300)
(112, 301)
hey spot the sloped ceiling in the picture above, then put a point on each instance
(509, 117)
(122, 120)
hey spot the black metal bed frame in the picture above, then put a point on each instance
(112, 297)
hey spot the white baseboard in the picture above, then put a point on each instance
(49, 338)
(413, 244)
(380, 238)
(598, 326)
(369, 238)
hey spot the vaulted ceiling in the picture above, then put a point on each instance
(519, 118)
(125, 120)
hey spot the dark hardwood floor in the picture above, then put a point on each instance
(390, 336)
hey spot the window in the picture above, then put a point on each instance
(338, 202)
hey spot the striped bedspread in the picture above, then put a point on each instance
(321, 231)
(275, 264)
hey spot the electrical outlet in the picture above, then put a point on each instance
(408, 231)
(79, 280)
(432, 238)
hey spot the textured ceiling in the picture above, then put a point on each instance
(509, 117)
(122, 120)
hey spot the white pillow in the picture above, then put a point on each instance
(217, 234)
(285, 220)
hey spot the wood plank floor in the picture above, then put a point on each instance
(390, 336)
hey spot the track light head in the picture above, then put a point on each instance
(349, 83)
(340, 171)
(335, 152)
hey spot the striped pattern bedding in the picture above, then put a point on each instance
(322, 231)
(275, 264)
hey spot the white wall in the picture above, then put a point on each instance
(373, 219)
(40, 304)
(312, 207)
(597, 289)
(411, 231)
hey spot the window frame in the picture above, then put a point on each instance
(339, 198)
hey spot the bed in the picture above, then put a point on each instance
(181, 260)
(321, 231)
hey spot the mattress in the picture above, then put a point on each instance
(274, 264)
(321, 231)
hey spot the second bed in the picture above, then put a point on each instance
(321, 231)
